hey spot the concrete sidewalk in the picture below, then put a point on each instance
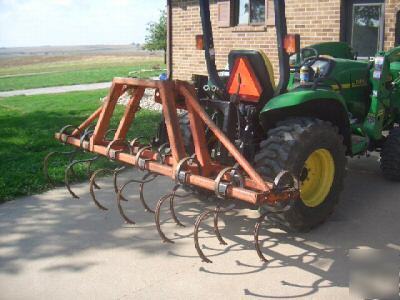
(54, 247)
(57, 89)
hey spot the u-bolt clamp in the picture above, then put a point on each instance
(295, 182)
(63, 138)
(141, 162)
(84, 138)
(236, 179)
(135, 142)
(180, 174)
(111, 153)
(162, 152)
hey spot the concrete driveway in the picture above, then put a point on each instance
(55, 247)
(56, 89)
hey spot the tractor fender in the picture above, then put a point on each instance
(322, 104)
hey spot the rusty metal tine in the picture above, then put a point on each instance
(92, 184)
(204, 215)
(120, 209)
(141, 191)
(90, 173)
(172, 209)
(66, 179)
(256, 237)
(68, 170)
(216, 229)
(117, 171)
(157, 217)
(120, 197)
(71, 155)
(141, 196)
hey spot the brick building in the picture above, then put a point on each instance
(368, 25)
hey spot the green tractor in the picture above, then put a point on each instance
(326, 106)
(335, 107)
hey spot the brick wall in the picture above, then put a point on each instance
(315, 20)
(391, 9)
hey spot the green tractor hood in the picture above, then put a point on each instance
(300, 96)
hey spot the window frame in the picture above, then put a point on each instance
(347, 19)
(236, 7)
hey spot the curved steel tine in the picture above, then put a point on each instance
(256, 239)
(117, 171)
(66, 178)
(157, 216)
(120, 196)
(68, 171)
(218, 210)
(141, 190)
(203, 216)
(92, 186)
(90, 173)
(71, 155)
(172, 209)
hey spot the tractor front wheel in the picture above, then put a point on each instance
(313, 151)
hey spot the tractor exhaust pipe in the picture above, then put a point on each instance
(209, 45)
(281, 33)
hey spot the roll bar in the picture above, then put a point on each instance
(281, 32)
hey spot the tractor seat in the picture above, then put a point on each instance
(262, 68)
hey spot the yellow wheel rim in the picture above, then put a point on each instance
(317, 177)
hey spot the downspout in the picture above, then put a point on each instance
(209, 46)
(281, 32)
(169, 40)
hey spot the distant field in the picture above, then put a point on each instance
(34, 71)
(27, 127)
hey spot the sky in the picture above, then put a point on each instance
(75, 22)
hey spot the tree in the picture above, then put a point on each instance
(156, 38)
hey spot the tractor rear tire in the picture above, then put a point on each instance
(313, 151)
(390, 156)
(184, 125)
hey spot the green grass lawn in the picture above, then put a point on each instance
(27, 73)
(27, 127)
(101, 74)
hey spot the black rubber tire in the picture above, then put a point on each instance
(184, 125)
(187, 137)
(287, 148)
(390, 156)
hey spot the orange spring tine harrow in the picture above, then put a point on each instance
(240, 182)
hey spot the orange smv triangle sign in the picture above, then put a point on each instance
(243, 81)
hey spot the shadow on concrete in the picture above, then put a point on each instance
(54, 225)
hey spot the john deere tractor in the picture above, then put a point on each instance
(327, 105)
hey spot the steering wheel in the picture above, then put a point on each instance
(309, 61)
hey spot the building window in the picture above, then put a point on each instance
(250, 12)
(365, 26)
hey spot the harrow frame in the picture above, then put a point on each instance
(200, 170)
